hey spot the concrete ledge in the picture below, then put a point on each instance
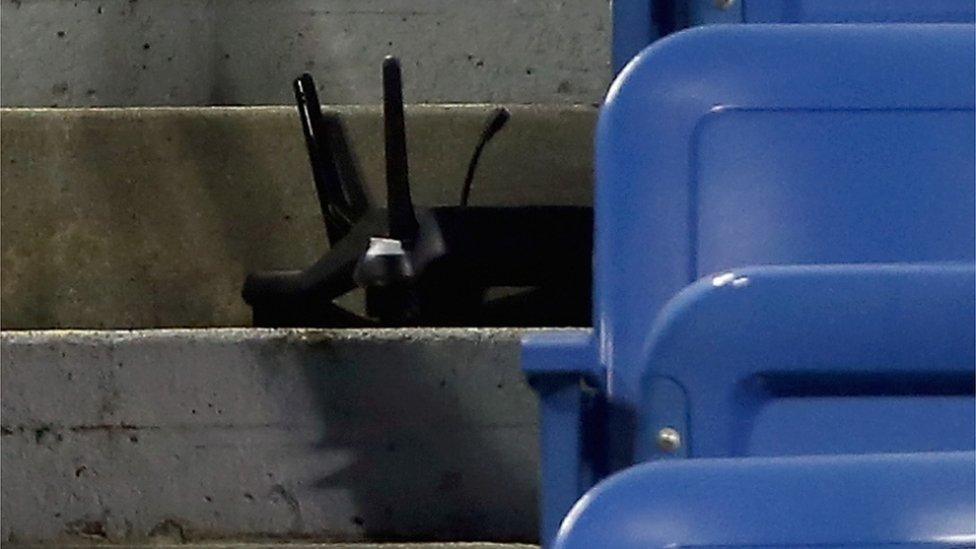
(147, 218)
(187, 435)
(290, 545)
(245, 52)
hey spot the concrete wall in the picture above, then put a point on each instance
(137, 218)
(183, 435)
(229, 52)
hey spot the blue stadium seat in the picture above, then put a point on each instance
(873, 501)
(784, 250)
(637, 23)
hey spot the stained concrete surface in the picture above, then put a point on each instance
(290, 545)
(138, 218)
(245, 52)
(172, 436)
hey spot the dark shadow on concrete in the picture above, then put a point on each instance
(441, 433)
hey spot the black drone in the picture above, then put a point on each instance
(425, 266)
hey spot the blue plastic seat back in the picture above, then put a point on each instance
(637, 23)
(734, 145)
(846, 360)
(775, 361)
(893, 500)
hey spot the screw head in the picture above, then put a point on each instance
(669, 439)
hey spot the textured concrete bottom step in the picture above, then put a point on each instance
(177, 436)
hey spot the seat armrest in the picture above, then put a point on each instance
(561, 367)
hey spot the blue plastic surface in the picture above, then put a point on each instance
(825, 501)
(558, 364)
(779, 360)
(633, 29)
(734, 145)
(808, 360)
(774, 152)
(637, 23)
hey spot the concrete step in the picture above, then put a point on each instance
(147, 218)
(195, 435)
(301, 545)
(245, 52)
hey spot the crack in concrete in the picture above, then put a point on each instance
(41, 429)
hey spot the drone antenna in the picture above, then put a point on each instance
(498, 120)
(402, 219)
(336, 210)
